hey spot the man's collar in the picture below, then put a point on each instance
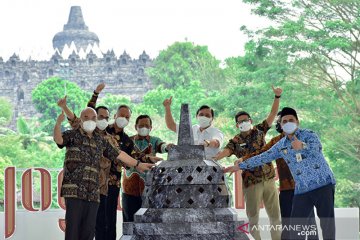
(111, 128)
(296, 133)
(101, 132)
(205, 129)
(247, 133)
(138, 137)
(82, 132)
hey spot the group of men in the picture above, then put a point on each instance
(99, 154)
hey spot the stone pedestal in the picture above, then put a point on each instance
(185, 197)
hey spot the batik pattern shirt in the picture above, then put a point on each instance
(125, 144)
(105, 163)
(133, 181)
(308, 165)
(285, 178)
(123, 141)
(241, 146)
(82, 164)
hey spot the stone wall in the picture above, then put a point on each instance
(122, 75)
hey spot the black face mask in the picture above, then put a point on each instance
(278, 127)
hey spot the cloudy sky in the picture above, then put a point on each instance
(28, 26)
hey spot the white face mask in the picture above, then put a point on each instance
(204, 122)
(143, 131)
(102, 124)
(89, 126)
(289, 127)
(121, 122)
(245, 126)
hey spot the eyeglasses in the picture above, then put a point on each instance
(242, 121)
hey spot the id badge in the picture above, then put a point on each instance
(298, 157)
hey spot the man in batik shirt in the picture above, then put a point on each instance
(108, 215)
(258, 183)
(133, 184)
(80, 186)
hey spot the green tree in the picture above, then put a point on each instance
(183, 62)
(193, 94)
(254, 74)
(48, 92)
(320, 40)
(6, 111)
(32, 132)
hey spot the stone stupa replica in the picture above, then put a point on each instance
(185, 197)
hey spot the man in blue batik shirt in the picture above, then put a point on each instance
(314, 180)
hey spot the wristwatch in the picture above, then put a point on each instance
(137, 164)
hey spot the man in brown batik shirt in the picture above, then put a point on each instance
(258, 184)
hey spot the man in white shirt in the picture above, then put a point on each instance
(203, 132)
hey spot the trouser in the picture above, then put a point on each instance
(286, 201)
(266, 192)
(101, 220)
(323, 200)
(80, 218)
(111, 211)
(130, 204)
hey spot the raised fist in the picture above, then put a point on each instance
(277, 91)
(167, 102)
(100, 87)
(62, 102)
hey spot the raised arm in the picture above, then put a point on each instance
(170, 123)
(63, 105)
(57, 129)
(275, 107)
(94, 97)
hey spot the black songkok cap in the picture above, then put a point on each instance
(288, 111)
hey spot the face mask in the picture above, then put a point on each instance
(204, 122)
(102, 124)
(245, 126)
(89, 126)
(121, 122)
(143, 131)
(289, 127)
